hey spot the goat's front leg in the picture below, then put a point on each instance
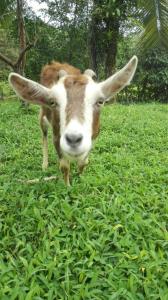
(44, 128)
(65, 169)
(82, 164)
(64, 164)
(45, 152)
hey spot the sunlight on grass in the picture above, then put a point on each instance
(106, 236)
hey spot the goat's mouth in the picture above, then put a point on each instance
(74, 153)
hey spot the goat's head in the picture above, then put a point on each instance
(77, 100)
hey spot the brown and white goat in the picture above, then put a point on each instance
(70, 102)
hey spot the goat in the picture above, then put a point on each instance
(71, 102)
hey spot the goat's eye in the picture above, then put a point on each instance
(100, 102)
(53, 104)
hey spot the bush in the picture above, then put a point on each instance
(151, 79)
(154, 76)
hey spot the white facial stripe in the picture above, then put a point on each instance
(74, 127)
(61, 96)
(92, 93)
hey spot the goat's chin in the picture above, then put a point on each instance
(74, 157)
(75, 154)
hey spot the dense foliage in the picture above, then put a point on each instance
(153, 76)
(102, 34)
(151, 79)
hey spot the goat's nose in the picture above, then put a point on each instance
(74, 139)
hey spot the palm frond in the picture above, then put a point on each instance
(155, 24)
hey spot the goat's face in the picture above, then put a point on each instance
(77, 101)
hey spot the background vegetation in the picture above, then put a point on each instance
(100, 34)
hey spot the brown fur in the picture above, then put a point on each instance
(50, 75)
(50, 72)
(56, 131)
(96, 122)
(75, 87)
(74, 80)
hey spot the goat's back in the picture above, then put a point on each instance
(50, 72)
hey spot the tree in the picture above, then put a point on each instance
(106, 20)
(70, 20)
(18, 65)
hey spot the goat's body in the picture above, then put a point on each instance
(70, 102)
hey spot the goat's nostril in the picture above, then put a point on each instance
(73, 139)
(79, 139)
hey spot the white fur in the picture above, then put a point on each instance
(61, 96)
(75, 127)
(92, 94)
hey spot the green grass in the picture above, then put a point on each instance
(105, 237)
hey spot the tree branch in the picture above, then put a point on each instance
(37, 180)
(15, 65)
(19, 60)
(6, 60)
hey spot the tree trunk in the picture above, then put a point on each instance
(21, 36)
(106, 30)
(93, 45)
(19, 65)
(111, 46)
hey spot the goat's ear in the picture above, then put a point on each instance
(30, 91)
(119, 80)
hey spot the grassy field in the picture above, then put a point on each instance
(105, 237)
